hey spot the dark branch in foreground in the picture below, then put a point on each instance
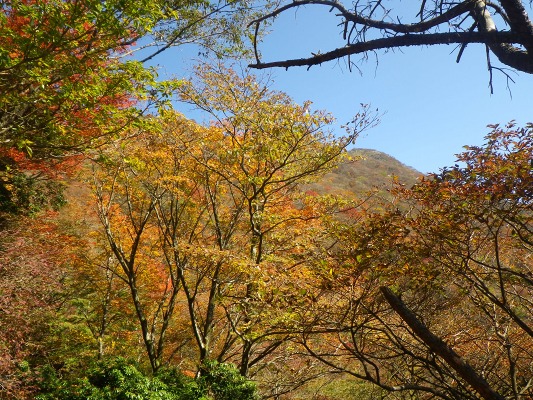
(439, 347)
(440, 23)
(402, 41)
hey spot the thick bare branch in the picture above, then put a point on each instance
(517, 16)
(357, 18)
(439, 23)
(520, 59)
(440, 348)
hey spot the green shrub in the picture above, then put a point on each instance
(118, 379)
(224, 382)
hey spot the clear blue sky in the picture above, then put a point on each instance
(433, 106)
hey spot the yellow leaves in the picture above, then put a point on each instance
(202, 254)
(218, 211)
(134, 163)
(269, 134)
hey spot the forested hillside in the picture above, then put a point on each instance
(144, 255)
(366, 171)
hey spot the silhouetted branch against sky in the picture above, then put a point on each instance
(503, 27)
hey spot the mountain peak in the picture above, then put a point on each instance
(367, 170)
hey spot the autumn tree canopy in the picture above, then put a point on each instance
(436, 299)
(68, 81)
(64, 71)
(502, 26)
(193, 245)
(209, 229)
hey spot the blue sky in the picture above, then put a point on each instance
(432, 106)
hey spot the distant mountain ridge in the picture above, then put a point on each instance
(368, 170)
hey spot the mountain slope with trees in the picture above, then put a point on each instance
(243, 257)
(364, 172)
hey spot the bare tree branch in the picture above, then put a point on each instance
(439, 23)
(440, 348)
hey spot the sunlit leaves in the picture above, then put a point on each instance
(459, 256)
(211, 218)
(67, 80)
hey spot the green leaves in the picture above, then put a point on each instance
(67, 82)
(118, 379)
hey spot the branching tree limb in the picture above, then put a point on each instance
(439, 347)
(440, 22)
